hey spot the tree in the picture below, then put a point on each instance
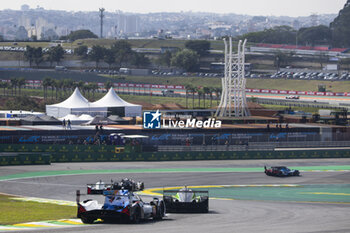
(139, 60)
(20, 83)
(49, 34)
(14, 84)
(68, 84)
(56, 84)
(217, 91)
(47, 82)
(281, 59)
(38, 56)
(4, 86)
(314, 35)
(55, 54)
(211, 90)
(193, 90)
(81, 34)
(200, 46)
(122, 50)
(29, 55)
(206, 91)
(186, 59)
(275, 35)
(97, 53)
(21, 33)
(81, 51)
(165, 59)
(108, 85)
(340, 28)
(93, 88)
(188, 88)
(200, 93)
(109, 57)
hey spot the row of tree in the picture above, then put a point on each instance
(13, 85)
(119, 54)
(202, 93)
(37, 56)
(60, 89)
(287, 35)
(337, 34)
(63, 88)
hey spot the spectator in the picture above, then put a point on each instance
(69, 124)
(64, 123)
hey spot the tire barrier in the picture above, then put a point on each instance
(38, 154)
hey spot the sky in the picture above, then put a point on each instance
(250, 7)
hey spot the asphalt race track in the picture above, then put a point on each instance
(224, 215)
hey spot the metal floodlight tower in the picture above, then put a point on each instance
(233, 98)
(101, 20)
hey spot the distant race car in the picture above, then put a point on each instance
(186, 200)
(281, 171)
(125, 183)
(295, 97)
(122, 204)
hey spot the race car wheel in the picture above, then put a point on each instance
(160, 211)
(137, 216)
(296, 173)
(87, 220)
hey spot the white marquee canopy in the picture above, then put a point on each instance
(77, 104)
(112, 100)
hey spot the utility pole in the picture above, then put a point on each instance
(101, 20)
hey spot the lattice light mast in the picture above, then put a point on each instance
(233, 98)
(101, 21)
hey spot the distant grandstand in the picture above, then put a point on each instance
(304, 50)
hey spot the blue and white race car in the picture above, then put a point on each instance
(122, 204)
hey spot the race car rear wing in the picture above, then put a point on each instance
(205, 193)
(127, 184)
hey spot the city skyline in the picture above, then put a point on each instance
(249, 7)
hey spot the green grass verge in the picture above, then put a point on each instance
(13, 211)
(278, 84)
(194, 81)
(298, 85)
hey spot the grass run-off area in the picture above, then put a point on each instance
(14, 211)
(278, 84)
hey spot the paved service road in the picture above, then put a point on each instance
(224, 215)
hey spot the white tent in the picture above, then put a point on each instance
(75, 104)
(74, 119)
(116, 105)
(85, 117)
